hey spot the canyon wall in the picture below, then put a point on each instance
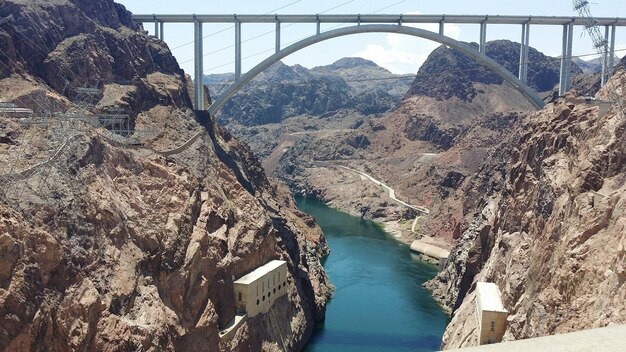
(549, 228)
(113, 247)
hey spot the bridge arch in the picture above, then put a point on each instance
(481, 58)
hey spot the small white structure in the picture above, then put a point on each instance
(603, 105)
(256, 292)
(432, 251)
(490, 313)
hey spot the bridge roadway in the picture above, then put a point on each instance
(394, 18)
(607, 339)
(567, 22)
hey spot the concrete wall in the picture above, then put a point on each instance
(229, 332)
(491, 327)
(607, 339)
(429, 250)
(490, 313)
(259, 295)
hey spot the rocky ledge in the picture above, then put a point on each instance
(550, 232)
(111, 246)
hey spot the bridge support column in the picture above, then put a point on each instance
(161, 30)
(156, 28)
(483, 37)
(608, 60)
(277, 35)
(605, 57)
(199, 67)
(566, 59)
(523, 53)
(237, 50)
(611, 60)
(527, 47)
(441, 27)
(318, 25)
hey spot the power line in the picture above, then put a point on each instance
(267, 50)
(231, 27)
(602, 47)
(255, 37)
(293, 41)
(398, 77)
(386, 7)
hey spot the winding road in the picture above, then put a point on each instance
(392, 193)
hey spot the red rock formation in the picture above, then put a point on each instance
(552, 233)
(116, 248)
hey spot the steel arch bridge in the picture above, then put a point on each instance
(388, 24)
(479, 57)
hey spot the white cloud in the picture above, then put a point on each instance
(405, 54)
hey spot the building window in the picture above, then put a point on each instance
(239, 295)
(274, 289)
(493, 326)
(257, 302)
(263, 298)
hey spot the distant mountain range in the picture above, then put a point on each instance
(284, 91)
(361, 86)
(592, 65)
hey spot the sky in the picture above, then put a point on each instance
(395, 52)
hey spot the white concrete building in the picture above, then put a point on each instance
(256, 292)
(490, 313)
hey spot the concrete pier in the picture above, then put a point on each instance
(483, 38)
(199, 67)
(566, 59)
(429, 250)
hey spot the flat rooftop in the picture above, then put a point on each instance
(260, 271)
(490, 298)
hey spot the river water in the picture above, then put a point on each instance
(379, 303)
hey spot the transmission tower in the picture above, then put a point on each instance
(600, 44)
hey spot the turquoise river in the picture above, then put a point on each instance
(379, 303)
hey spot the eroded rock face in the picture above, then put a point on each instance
(117, 248)
(449, 73)
(551, 235)
(282, 92)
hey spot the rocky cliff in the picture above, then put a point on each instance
(281, 92)
(549, 226)
(450, 73)
(114, 247)
(437, 135)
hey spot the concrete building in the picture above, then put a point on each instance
(490, 313)
(256, 292)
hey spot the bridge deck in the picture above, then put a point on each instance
(357, 18)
